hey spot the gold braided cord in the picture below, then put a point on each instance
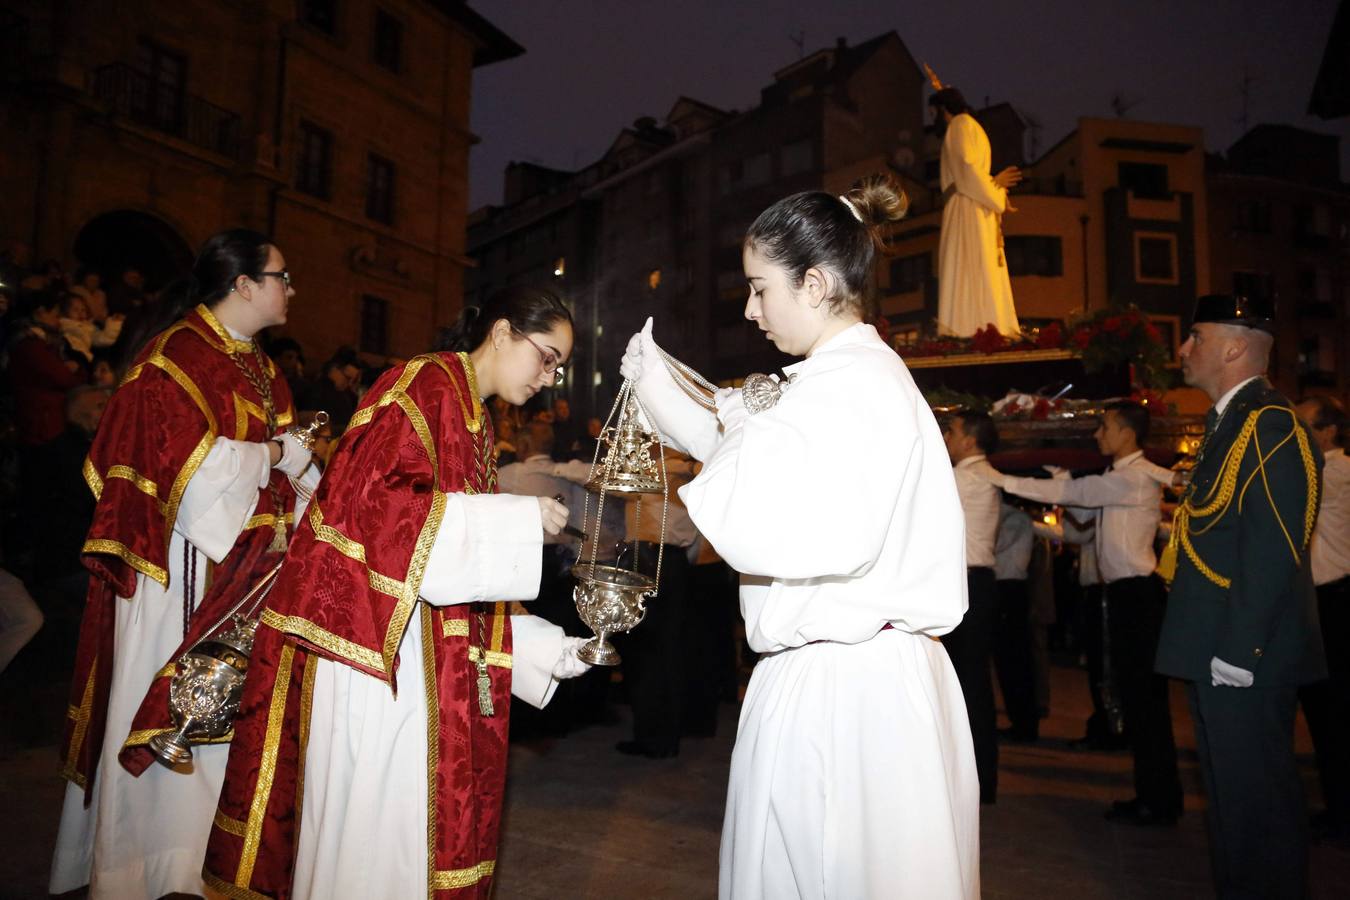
(1220, 497)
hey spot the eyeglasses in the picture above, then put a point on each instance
(550, 363)
(284, 275)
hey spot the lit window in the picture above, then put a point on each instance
(654, 279)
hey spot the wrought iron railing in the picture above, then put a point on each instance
(167, 108)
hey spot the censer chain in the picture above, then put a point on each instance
(698, 388)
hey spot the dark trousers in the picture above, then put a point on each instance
(1326, 704)
(710, 657)
(1106, 724)
(1258, 830)
(653, 653)
(1013, 657)
(970, 646)
(1135, 609)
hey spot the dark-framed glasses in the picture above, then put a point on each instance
(548, 361)
(284, 275)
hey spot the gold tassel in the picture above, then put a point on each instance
(1167, 563)
(278, 544)
(484, 689)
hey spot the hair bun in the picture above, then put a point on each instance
(878, 199)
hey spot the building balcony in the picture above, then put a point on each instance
(166, 108)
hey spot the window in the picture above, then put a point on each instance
(1144, 180)
(374, 324)
(686, 277)
(1033, 255)
(386, 47)
(1252, 215)
(321, 14)
(745, 173)
(1155, 258)
(799, 157)
(758, 170)
(160, 99)
(314, 164)
(910, 273)
(1312, 226)
(380, 190)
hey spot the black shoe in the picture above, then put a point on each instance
(1134, 812)
(1019, 735)
(651, 751)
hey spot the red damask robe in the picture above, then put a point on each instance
(183, 392)
(347, 593)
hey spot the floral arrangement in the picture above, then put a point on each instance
(1105, 339)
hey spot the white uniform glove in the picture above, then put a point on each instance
(569, 665)
(731, 409)
(295, 456)
(688, 426)
(1224, 674)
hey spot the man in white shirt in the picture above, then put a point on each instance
(1326, 704)
(1128, 501)
(1013, 661)
(970, 437)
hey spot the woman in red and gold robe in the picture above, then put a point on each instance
(192, 471)
(369, 756)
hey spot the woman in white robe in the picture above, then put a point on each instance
(853, 773)
(145, 836)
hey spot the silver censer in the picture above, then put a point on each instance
(612, 600)
(205, 691)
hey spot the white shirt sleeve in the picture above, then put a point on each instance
(1119, 487)
(488, 547)
(536, 645)
(222, 494)
(791, 494)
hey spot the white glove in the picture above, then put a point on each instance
(687, 425)
(569, 665)
(731, 409)
(295, 456)
(1224, 674)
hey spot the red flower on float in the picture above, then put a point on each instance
(988, 340)
(1051, 337)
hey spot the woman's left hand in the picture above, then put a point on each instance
(569, 665)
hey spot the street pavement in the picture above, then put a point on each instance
(583, 821)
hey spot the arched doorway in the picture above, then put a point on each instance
(113, 242)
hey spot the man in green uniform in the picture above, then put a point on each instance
(1241, 623)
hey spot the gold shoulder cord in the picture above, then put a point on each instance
(1220, 498)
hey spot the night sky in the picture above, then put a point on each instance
(593, 66)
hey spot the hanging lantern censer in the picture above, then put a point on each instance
(610, 599)
(209, 681)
